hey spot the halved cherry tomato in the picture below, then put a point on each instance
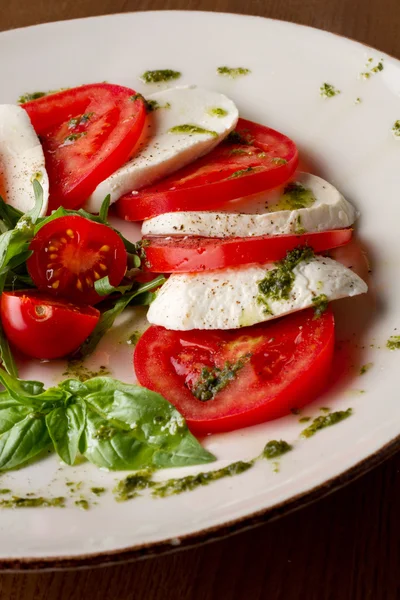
(262, 372)
(262, 159)
(187, 254)
(71, 253)
(87, 133)
(45, 327)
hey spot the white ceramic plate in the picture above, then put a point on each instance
(349, 144)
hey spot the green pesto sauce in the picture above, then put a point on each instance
(191, 482)
(233, 72)
(277, 283)
(217, 112)
(327, 90)
(77, 370)
(105, 433)
(29, 96)
(357, 101)
(393, 342)
(279, 161)
(98, 491)
(83, 504)
(31, 502)
(366, 368)
(325, 409)
(274, 449)
(152, 105)
(304, 419)
(5, 491)
(212, 381)
(234, 137)
(320, 304)
(160, 75)
(73, 137)
(134, 338)
(128, 488)
(396, 128)
(299, 229)
(294, 197)
(81, 120)
(191, 130)
(326, 421)
(241, 172)
(372, 70)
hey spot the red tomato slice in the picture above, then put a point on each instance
(44, 327)
(87, 133)
(284, 365)
(263, 160)
(71, 253)
(187, 254)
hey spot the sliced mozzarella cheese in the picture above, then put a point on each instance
(330, 210)
(229, 298)
(163, 151)
(21, 159)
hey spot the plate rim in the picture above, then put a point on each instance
(240, 524)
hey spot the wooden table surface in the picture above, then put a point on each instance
(344, 547)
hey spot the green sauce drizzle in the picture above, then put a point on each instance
(212, 381)
(393, 342)
(218, 112)
(98, 491)
(396, 128)
(327, 90)
(233, 73)
(277, 283)
(29, 96)
(273, 449)
(279, 161)
(82, 120)
(234, 137)
(320, 305)
(372, 70)
(134, 338)
(326, 421)
(128, 488)
(191, 129)
(295, 196)
(77, 370)
(83, 504)
(241, 172)
(160, 75)
(32, 502)
(366, 367)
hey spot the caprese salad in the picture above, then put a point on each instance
(233, 262)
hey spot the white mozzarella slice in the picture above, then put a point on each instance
(163, 151)
(329, 210)
(21, 159)
(229, 298)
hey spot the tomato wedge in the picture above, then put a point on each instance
(71, 253)
(225, 380)
(255, 159)
(44, 327)
(87, 133)
(187, 254)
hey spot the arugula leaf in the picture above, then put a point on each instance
(6, 356)
(108, 317)
(103, 214)
(65, 426)
(104, 288)
(130, 427)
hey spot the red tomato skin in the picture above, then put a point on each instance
(216, 187)
(189, 254)
(56, 330)
(88, 237)
(107, 142)
(302, 386)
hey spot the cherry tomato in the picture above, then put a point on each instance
(44, 327)
(262, 159)
(187, 254)
(71, 253)
(225, 380)
(87, 133)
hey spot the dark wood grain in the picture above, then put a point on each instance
(344, 547)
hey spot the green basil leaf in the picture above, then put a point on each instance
(108, 317)
(24, 440)
(105, 205)
(130, 427)
(6, 356)
(104, 288)
(11, 412)
(31, 393)
(65, 425)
